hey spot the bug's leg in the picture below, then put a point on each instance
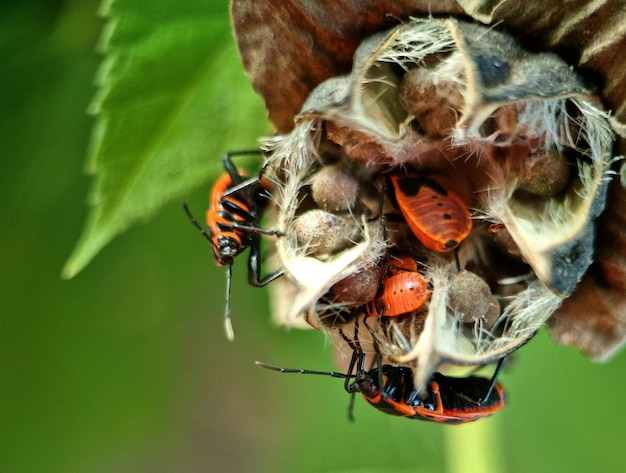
(352, 387)
(236, 208)
(245, 209)
(379, 370)
(244, 188)
(493, 379)
(378, 360)
(353, 361)
(434, 388)
(230, 167)
(240, 185)
(250, 229)
(351, 406)
(254, 265)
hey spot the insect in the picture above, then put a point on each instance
(406, 290)
(391, 390)
(437, 217)
(235, 208)
(445, 399)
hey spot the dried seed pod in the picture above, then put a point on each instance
(433, 96)
(545, 173)
(471, 300)
(319, 233)
(358, 145)
(527, 104)
(409, 325)
(357, 289)
(503, 239)
(314, 269)
(334, 189)
(369, 104)
(261, 33)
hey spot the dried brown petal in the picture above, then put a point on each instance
(512, 119)
(589, 35)
(594, 318)
(304, 43)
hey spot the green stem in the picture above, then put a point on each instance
(474, 447)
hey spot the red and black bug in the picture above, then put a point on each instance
(235, 209)
(437, 217)
(405, 290)
(444, 400)
(391, 390)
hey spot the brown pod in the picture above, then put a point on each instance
(544, 173)
(471, 300)
(357, 289)
(334, 189)
(321, 233)
(358, 145)
(432, 98)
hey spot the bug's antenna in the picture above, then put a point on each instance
(334, 374)
(228, 325)
(196, 224)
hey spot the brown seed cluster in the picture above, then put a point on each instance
(433, 207)
(436, 116)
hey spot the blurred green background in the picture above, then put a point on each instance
(126, 367)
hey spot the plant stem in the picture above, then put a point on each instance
(474, 447)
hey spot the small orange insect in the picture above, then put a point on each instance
(402, 263)
(235, 210)
(402, 293)
(437, 217)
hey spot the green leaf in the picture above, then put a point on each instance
(172, 99)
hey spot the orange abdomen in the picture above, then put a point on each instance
(402, 293)
(437, 217)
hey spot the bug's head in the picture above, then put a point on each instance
(225, 250)
(366, 384)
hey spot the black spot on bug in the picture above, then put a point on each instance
(451, 244)
(410, 186)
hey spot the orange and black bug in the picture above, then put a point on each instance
(406, 290)
(436, 216)
(391, 390)
(444, 400)
(235, 209)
